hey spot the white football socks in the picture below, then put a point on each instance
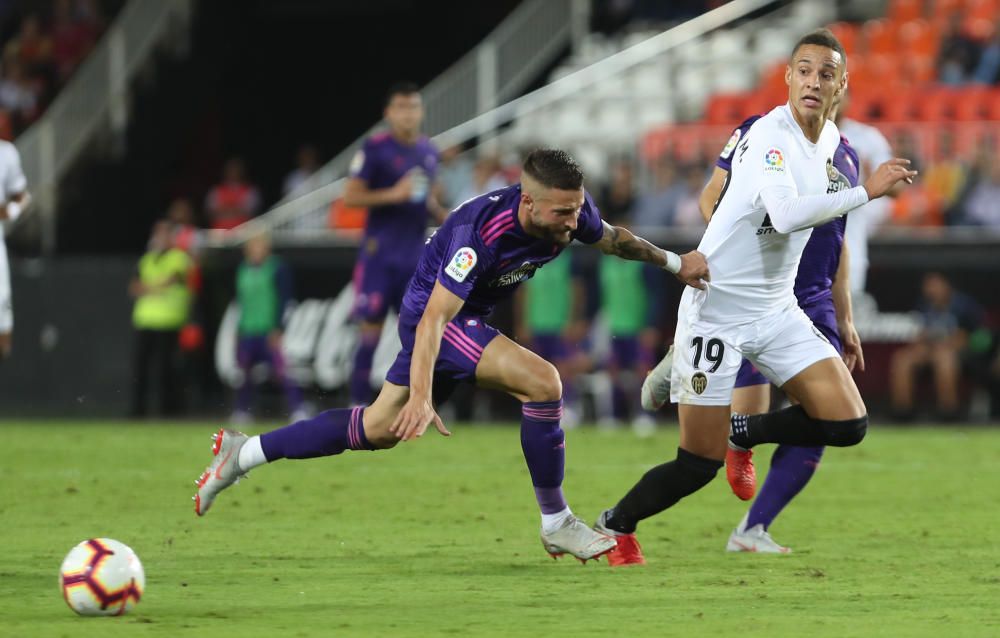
(251, 455)
(552, 522)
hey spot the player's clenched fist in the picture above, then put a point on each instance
(694, 270)
(887, 175)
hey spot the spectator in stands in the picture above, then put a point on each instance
(162, 302)
(618, 195)
(72, 36)
(16, 93)
(982, 204)
(306, 163)
(656, 208)
(688, 212)
(31, 47)
(958, 54)
(234, 201)
(988, 69)
(486, 177)
(947, 318)
(180, 214)
(455, 174)
(945, 178)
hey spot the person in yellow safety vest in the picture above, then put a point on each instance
(162, 301)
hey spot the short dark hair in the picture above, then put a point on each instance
(553, 168)
(400, 88)
(823, 38)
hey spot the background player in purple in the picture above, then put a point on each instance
(393, 176)
(485, 249)
(822, 290)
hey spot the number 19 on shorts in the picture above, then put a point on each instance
(713, 350)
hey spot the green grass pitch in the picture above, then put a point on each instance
(897, 537)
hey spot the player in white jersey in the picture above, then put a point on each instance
(780, 186)
(14, 198)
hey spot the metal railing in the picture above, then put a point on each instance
(94, 100)
(500, 67)
(327, 184)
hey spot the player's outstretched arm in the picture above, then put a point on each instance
(418, 413)
(690, 268)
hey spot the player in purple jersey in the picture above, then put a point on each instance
(484, 250)
(393, 175)
(822, 290)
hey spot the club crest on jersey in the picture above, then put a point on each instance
(522, 273)
(699, 382)
(461, 264)
(838, 181)
(774, 161)
(734, 139)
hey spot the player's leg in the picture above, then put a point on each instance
(944, 361)
(506, 366)
(142, 353)
(371, 282)
(904, 365)
(752, 395)
(6, 311)
(808, 368)
(247, 355)
(704, 370)
(279, 370)
(326, 434)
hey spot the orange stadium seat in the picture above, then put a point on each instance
(848, 34)
(992, 105)
(919, 69)
(723, 108)
(970, 106)
(861, 106)
(943, 8)
(880, 36)
(898, 106)
(905, 10)
(935, 105)
(982, 9)
(773, 78)
(980, 29)
(918, 37)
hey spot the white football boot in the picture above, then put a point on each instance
(756, 539)
(223, 471)
(656, 387)
(576, 538)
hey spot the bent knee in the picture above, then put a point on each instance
(377, 432)
(846, 433)
(545, 384)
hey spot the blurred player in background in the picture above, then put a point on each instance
(263, 290)
(823, 293)
(482, 253)
(394, 177)
(629, 307)
(872, 149)
(782, 182)
(549, 310)
(15, 198)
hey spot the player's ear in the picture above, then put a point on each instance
(788, 75)
(843, 82)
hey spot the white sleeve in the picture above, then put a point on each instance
(14, 182)
(790, 212)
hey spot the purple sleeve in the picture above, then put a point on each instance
(590, 226)
(364, 163)
(465, 259)
(725, 160)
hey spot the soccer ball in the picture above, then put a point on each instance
(101, 577)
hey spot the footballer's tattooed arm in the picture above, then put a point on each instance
(690, 268)
(621, 242)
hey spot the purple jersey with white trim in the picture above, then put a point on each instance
(821, 256)
(396, 232)
(481, 253)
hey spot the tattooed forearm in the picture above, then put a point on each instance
(621, 242)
